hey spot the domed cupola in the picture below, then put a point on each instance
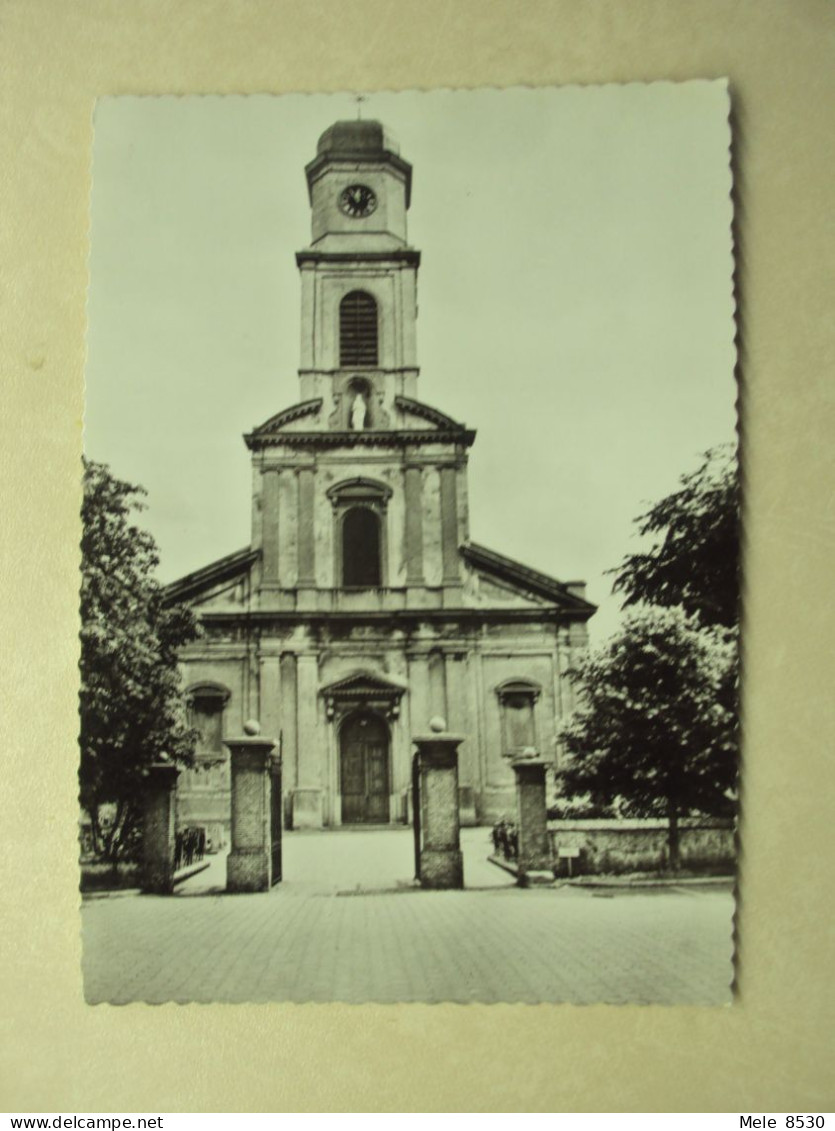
(357, 140)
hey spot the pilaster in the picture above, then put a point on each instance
(437, 685)
(288, 522)
(420, 711)
(269, 526)
(449, 527)
(307, 543)
(414, 524)
(289, 728)
(270, 698)
(307, 795)
(458, 718)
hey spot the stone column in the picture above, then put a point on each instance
(249, 865)
(414, 525)
(158, 828)
(532, 819)
(439, 860)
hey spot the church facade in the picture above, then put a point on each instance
(362, 609)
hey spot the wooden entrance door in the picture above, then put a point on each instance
(364, 766)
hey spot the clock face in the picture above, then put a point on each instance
(357, 200)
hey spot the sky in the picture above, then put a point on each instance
(575, 302)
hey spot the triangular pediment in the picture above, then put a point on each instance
(363, 685)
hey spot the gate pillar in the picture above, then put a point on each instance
(532, 817)
(276, 817)
(249, 864)
(438, 861)
(158, 828)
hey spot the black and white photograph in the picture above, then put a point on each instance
(409, 639)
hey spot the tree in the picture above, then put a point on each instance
(131, 705)
(652, 731)
(695, 561)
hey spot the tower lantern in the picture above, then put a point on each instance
(359, 185)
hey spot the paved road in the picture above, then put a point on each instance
(347, 925)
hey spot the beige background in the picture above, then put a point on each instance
(772, 1049)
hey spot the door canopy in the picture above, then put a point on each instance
(363, 689)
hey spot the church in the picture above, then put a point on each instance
(362, 608)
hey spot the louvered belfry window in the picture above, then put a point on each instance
(358, 330)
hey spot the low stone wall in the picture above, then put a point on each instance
(614, 847)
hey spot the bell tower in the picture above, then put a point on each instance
(358, 279)
(359, 489)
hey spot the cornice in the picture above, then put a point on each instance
(408, 255)
(397, 618)
(403, 438)
(315, 168)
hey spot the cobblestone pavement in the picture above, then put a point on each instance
(347, 925)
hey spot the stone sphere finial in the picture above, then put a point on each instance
(252, 727)
(437, 724)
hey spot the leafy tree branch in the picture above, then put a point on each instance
(131, 705)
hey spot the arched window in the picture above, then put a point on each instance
(358, 330)
(359, 507)
(361, 549)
